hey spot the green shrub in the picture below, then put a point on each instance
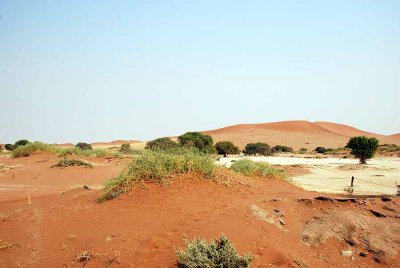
(199, 140)
(258, 148)
(21, 143)
(320, 150)
(248, 167)
(218, 253)
(161, 144)
(83, 146)
(125, 148)
(303, 150)
(72, 162)
(226, 147)
(363, 148)
(31, 147)
(158, 166)
(282, 149)
(9, 147)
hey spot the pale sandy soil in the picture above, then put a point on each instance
(332, 175)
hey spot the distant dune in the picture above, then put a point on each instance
(116, 142)
(296, 134)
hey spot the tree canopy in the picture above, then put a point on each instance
(363, 147)
(161, 143)
(258, 148)
(199, 140)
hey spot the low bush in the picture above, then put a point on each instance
(9, 147)
(31, 147)
(158, 166)
(258, 148)
(125, 148)
(282, 149)
(164, 143)
(83, 146)
(303, 150)
(72, 162)
(248, 167)
(216, 253)
(320, 150)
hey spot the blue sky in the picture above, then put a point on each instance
(102, 70)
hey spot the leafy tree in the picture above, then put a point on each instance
(84, 146)
(258, 148)
(320, 150)
(21, 143)
(226, 147)
(282, 149)
(161, 143)
(9, 147)
(199, 140)
(363, 148)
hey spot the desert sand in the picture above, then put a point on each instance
(280, 224)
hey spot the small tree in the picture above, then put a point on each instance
(258, 148)
(84, 146)
(363, 148)
(282, 149)
(161, 143)
(226, 147)
(199, 140)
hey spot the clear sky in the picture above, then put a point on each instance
(102, 70)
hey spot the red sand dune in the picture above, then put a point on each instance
(296, 134)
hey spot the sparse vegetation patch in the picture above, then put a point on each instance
(72, 162)
(217, 253)
(32, 147)
(248, 167)
(159, 166)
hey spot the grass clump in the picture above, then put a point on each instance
(159, 166)
(72, 162)
(32, 147)
(248, 167)
(217, 253)
(94, 153)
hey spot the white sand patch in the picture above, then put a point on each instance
(332, 175)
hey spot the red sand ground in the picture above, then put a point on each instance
(144, 228)
(296, 134)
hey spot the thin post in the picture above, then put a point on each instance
(352, 181)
